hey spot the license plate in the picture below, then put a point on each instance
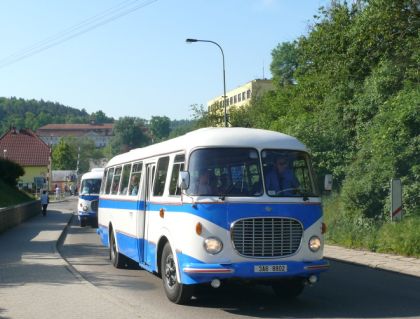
(270, 268)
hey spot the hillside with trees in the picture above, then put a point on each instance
(350, 90)
(33, 114)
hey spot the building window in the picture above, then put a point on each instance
(239, 97)
(231, 100)
(235, 99)
(248, 94)
(243, 96)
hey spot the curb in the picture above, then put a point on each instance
(379, 263)
(83, 280)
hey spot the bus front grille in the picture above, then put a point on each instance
(266, 237)
(94, 205)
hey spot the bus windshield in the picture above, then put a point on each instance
(225, 172)
(287, 173)
(90, 186)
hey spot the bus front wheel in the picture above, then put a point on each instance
(176, 292)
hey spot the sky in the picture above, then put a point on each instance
(139, 64)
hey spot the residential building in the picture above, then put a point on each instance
(100, 134)
(242, 95)
(29, 151)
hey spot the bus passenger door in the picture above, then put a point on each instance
(150, 173)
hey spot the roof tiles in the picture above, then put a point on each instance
(25, 148)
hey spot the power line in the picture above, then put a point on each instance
(122, 9)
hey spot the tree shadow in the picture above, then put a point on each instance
(28, 252)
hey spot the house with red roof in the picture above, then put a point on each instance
(99, 133)
(28, 150)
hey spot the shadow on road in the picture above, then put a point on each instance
(346, 291)
(28, 252)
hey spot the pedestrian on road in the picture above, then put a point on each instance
(44, 202)
(57, 192)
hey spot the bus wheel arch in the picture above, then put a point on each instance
(175, 291)
(162, 241)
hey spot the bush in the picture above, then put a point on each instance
(400, 237)
(10, 171)
(377, 235)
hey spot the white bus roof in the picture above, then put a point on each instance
(93, 174)
(215, 137)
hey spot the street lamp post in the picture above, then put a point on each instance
(224, 78)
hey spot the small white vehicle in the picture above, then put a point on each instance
(87, 206)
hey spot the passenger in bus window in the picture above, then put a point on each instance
(134, 185)
(280, 180)
(203, 184)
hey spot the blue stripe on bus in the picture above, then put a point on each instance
(88, 197)
(121, 204)
(132, 247)
(224, 214)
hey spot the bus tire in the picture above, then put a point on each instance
(176, 292)
(288, 288)
(118, 260)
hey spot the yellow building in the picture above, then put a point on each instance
(29, 151)
(242, 95)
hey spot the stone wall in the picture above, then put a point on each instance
(14, 215)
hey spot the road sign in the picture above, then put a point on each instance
(396, 199)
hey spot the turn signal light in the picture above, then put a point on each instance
(162, 213)
(198, 228)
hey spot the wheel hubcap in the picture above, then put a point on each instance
(170, 271)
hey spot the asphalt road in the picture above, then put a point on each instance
(346, 291)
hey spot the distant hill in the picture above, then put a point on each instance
(33, 114)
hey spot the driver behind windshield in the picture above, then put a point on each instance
(281, 179)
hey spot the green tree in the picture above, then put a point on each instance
(160, 126)
(64, 156)
(284, 63)
(129, 133)
(100, 117)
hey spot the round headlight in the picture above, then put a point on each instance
(314, 243)
(85, 208)
(213, 245)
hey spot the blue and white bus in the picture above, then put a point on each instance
(87, 206)
(204, 208)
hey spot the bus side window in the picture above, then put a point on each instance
(116, 180)
(178, 166)
(134, 186)
(103, 182)
(161, 172)
(125, 179)
(109, 180)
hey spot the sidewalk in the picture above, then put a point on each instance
(35, 282)
(395, 263)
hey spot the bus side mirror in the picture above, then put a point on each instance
(328, 182)
(184, 179)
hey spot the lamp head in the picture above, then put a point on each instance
(190, 40)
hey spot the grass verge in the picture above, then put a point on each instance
(10, 196)
(401, 238)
